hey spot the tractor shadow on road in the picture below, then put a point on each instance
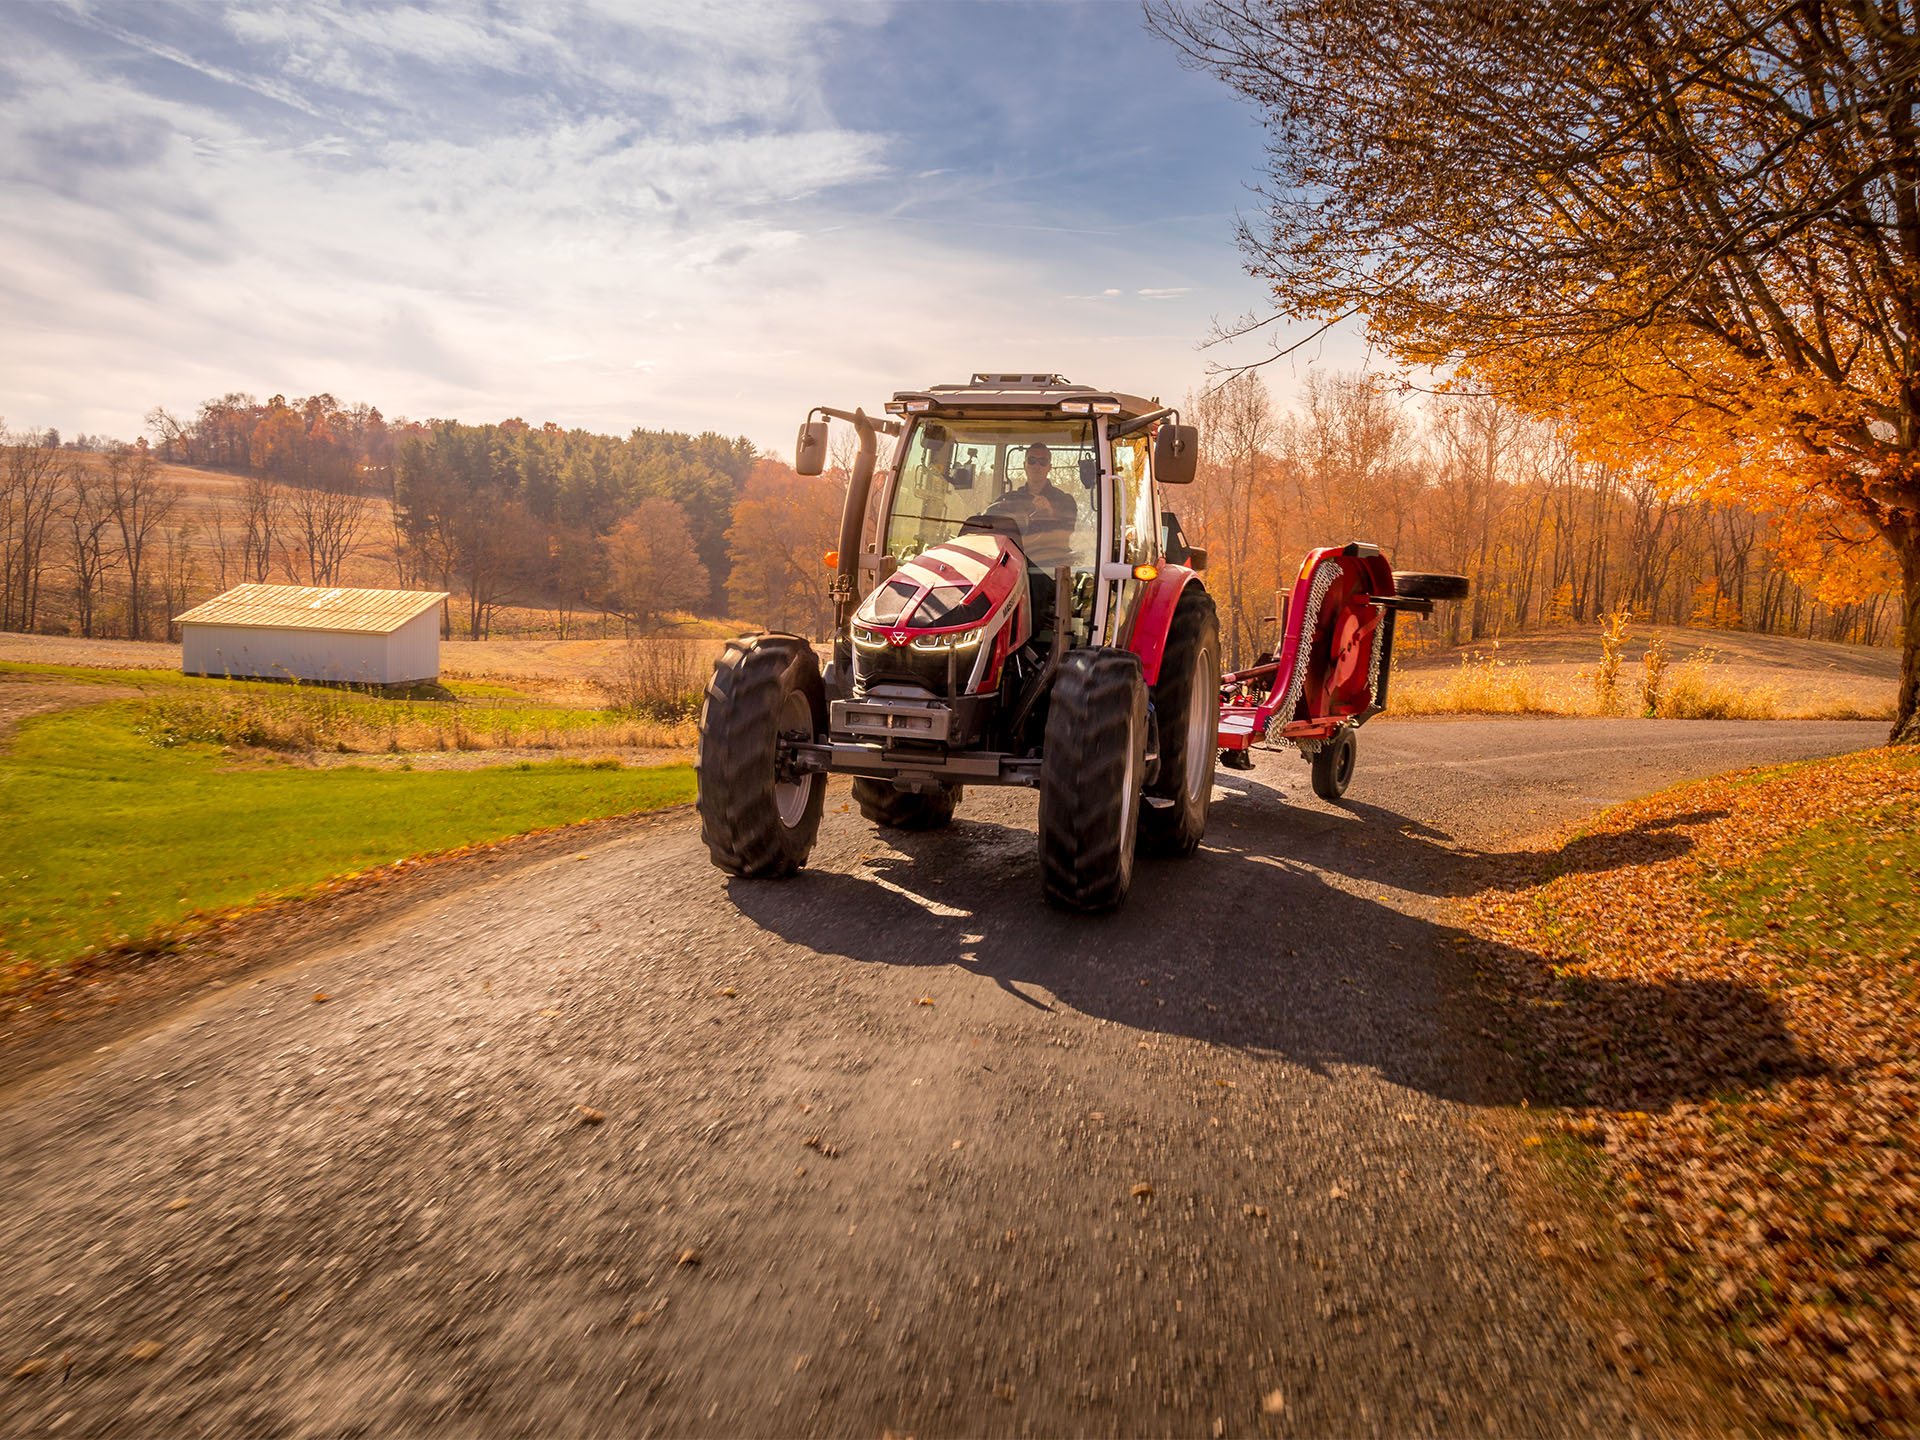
(1283, 937)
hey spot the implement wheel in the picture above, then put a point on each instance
(928, 809)
(1415, 585)
(758, 817)
(1333, 766)
(1094, 759)
(1187, 705)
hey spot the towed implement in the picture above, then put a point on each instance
(1021, 610)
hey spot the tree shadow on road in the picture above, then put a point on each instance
(1275, 939)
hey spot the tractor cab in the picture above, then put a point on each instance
(1031, 472)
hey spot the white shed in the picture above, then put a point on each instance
(306, 632)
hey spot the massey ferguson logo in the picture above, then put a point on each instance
(897, 637)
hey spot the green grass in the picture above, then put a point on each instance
(107, 838)
(1850, 877)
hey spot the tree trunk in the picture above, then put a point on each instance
(1906, 714)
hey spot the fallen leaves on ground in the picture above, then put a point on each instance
(1722, 983)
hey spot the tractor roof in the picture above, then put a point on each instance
(1001, 394)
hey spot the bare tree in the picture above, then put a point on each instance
(31, 480)
(179, 572)
(329, 518)
(141, 504)
(262, 519)
(1237, 432)
(88, 520)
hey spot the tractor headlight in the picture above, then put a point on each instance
(866, 639)
(966, 640)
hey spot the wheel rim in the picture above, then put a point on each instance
(1200, 714)
(790, 796)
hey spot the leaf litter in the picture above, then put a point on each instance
(1721, 986)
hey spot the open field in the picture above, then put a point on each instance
(1550, 672)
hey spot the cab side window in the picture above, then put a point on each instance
(1134, 493)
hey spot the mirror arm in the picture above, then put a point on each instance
(857, 418)
(1141, 422)
(846, 580)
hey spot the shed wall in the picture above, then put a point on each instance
(413, 651)
(283, 654)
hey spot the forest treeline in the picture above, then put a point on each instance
(100, 538)
(559, 526)
(1471, 486)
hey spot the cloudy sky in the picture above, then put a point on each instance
(681, 215)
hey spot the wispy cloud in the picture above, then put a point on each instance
(698, 215)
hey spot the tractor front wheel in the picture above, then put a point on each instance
(894, 809)
(1333, 765)
(758, 815)
(1092, 769)
(1187, 704)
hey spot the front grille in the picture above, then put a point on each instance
(904, 665)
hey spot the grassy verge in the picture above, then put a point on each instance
(1721, 986)
(456, 715)
(107, 838)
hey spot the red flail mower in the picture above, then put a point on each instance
(1022, 610)
(1328, 674)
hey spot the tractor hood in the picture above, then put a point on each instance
(961, 584)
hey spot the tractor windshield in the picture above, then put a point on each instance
(1037, 478)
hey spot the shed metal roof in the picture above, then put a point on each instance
(313, 607)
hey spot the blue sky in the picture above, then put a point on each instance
(671, 215)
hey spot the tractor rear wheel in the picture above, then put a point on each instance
(927, 809)
(1187, 705)
(758, 816)
(1417, 586)
(1093, 763)
(1333, 765)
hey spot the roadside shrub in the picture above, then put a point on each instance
(1480, 685)
(1697, 693)
(1606, 676)
(658, 678)
(1653, 676)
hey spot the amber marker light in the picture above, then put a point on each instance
(832, 557)
(1145, 572)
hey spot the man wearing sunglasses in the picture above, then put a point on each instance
(1044, 512)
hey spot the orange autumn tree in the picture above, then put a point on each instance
(1689, 230)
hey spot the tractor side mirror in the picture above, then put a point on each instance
(1176, 454)
(1196, 559)
(1089, 472)
(961, 478)
(810, 451)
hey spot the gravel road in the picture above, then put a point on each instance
(886, 1147)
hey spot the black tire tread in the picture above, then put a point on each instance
(1176, 829)
(734, 774)
(1328, 783)
(1097, 709)
(929, 809)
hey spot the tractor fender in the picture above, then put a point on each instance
(1154, 618)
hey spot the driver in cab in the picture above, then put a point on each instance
(1044, 512)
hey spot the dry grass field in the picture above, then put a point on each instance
(1729, 673)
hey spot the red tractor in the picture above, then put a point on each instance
(1022, 611)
